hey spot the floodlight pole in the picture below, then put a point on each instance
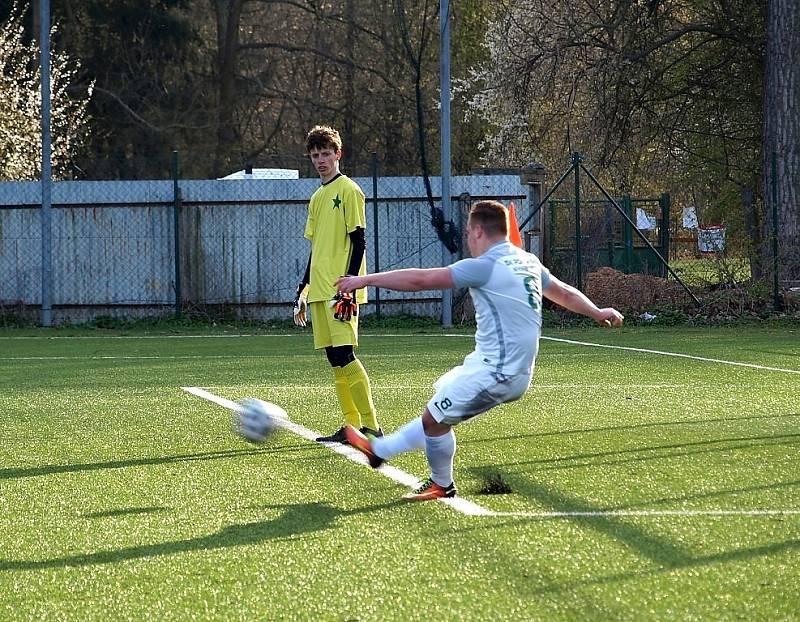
(444, 82)
(46, 214)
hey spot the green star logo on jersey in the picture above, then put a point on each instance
(337, 202)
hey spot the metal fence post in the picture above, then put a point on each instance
(609, 221)
(549, 257)
(627, 207)
(376, 229)
(46, 214)
(176, 198)
(665, 202)
(576, 160)
(444, 89)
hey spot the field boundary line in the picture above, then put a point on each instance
(226, 336)
(393, 473)
(177, 357)
(470, 508)
(391, 335)
(675, 354)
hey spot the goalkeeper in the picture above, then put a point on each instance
(335, 227)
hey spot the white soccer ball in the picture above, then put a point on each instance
(256, 420)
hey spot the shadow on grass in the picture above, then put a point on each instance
(296, 519)
(736, 555)
(709, 495)
(589, 459)
(658, 549)
(51, 469)
(636, 426)
(667, 555)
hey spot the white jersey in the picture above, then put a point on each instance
(506, 287)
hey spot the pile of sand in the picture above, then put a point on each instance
(633, 293)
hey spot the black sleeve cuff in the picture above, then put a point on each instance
(358, 239)
(306, 275)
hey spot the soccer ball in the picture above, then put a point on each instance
(256, 420)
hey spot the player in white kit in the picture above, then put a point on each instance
(506, 285)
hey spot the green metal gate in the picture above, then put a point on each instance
(582, 235)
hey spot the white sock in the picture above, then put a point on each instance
(408, 437)
(440, 451)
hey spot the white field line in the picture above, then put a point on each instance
(391, 336)
(146, 357)
(393, 473)
(473, 509)
(226, 336)
(675, 354)
(645, 513)
(554, 387)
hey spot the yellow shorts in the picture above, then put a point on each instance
(329, 331)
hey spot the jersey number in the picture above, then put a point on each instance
(530, 287)
(444, 404)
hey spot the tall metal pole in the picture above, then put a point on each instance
(46, 218)
(176, 216)
(376, 230)
(447, 208)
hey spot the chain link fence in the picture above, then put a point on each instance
(235, 247)
(237, 244)
(606, 236)
(728, 263)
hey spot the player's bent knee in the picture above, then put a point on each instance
(433, 427)
(339, 356)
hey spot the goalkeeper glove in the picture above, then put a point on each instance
(300, 305)
(344, 306)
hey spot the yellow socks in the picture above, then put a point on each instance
(349, 410)
(360, 393)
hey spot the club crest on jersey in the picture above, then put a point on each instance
(337, 202)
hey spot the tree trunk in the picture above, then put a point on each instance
(228, 14)
(392, 102)
(782, 136)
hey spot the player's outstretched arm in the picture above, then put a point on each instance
(406, 280)
(575, 300)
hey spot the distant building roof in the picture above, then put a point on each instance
(265, 173)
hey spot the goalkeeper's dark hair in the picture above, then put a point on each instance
(491, 215)
(322, 137)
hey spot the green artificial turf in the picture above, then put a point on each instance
(123, 497)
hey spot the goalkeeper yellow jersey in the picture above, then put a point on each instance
(334, 211)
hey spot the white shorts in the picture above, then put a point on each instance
(471, 389)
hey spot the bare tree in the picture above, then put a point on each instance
(228, 14)
(655, 94)
(235, 81)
